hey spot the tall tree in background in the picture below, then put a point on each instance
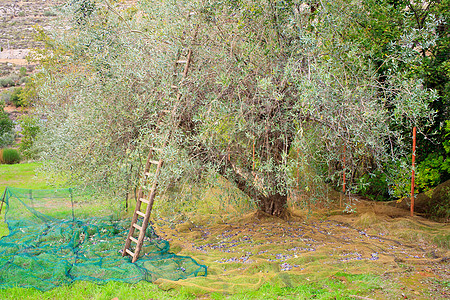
(275, 89)
(415, 36)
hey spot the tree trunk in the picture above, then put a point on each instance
(274, 205)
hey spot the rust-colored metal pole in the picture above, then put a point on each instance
(253, 167)
(343, 181)
(413, 170)
(343, 178)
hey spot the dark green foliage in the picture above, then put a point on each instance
(408, 38)
(428, 60)
(83, 10)
(10, 156)
(435, 168)
(6, 128)
(6, 124)
(373, 186)
(436, 73)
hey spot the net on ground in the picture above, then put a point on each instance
(52, 241)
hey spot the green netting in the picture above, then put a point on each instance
(52, 241)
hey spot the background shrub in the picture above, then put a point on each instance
(10, 156)
(7, 81)
(23, 80)
(6, 128)
(5, 97)
(7, 139)
(6, 124)
(22, 72)
(30, 129)
(373, 186)
(16, 96)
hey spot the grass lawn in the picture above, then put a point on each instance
(325, 289)
(21, 176)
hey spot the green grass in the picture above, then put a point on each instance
(21, 176)
(343, 287)
(331, 288)
(89, 290)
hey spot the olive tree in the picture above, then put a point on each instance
(273, 100)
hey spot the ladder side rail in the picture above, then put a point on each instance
(152, 195)
(147, 214)
(138, 207)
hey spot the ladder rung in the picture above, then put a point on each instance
(155, 162)
(133, 239)
(181, 61)
(148, 174)
(140, 213)
(129, 252)
(174, 87)
(144, 200)
(137, 226)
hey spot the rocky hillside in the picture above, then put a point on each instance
(17, 18)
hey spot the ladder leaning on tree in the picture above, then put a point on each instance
(140, 220)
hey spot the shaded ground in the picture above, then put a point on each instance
(410, 256)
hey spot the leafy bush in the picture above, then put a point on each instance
(10, 156)
(6, 128)
(16, 96)
(22, 71)
(30, 129)
(433, 170)
(49, 13)
(23, 80)
(374, 186)
(7, 139)
(5, 97)
(7, 81)
(429, 171)
(6, 124)
(27, 94)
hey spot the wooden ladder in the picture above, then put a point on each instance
(152, 178)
